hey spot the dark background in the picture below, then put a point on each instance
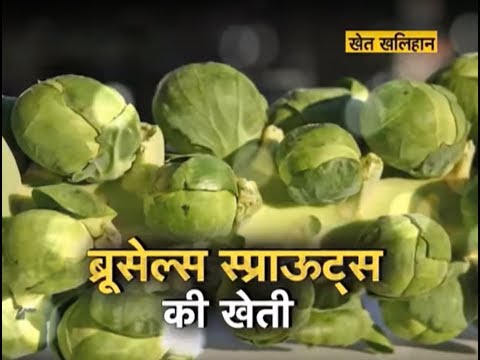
(279, 44)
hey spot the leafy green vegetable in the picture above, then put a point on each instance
(210, 108)
(415, 127)
(77, 128)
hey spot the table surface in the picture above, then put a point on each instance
(221, 345)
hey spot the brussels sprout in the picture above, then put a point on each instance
(76, 127)
(209, 108)
(24, 330)
(415, 127)
(126, 326)
(461, 78)
(302, 293)
(332, 313)
(340, 105)
(45, 252)
(417, 254)
(198, 199)
(11, 180)
(438, 316)
(319, 164)
(45, 248)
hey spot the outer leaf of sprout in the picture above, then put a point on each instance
(340, 105)
(72, 200)
(125, 195)
(255, 161)
(249, 200)
(84, 206)
(377, 341)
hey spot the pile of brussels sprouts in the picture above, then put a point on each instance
(338, 167)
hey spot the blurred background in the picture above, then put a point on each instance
(280, 45)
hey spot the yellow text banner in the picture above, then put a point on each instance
(391, 41)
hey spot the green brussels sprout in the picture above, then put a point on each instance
(198, 199)
(332, 313)
(340, 105)
(125, 326)
(45, 252)
(208, 108)
(319, 164)
(24, 330)
(438, 316)
(417, 254)
(302, 293)
(11, 180)
(415, 127)
(461, 78)
(45, 248)
(78, 128)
